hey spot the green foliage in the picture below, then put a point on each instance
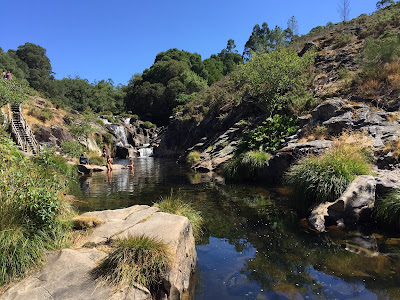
(383, 3)
(246, 166)
(133, 260)
(148, 125)
(301, 100)
(72, 148)
(377, 53)
(53, 162)
(107, 138)
(387, 209)
(193, 157)
(344, 73)
(324, 178)
(152, 94)
(12, 91)
(175, 205)
(269, 135)
(343, 40)
(31, 206)
(263, 40)
(96, 159)
(266, 78)
(223, 63)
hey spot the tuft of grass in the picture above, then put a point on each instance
(387, 209)
(246, 166)
(175, 205)
(86, 222)
(193, 157)
(324, 178)
(135, 260)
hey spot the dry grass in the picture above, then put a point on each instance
(86, 222)
(370, 88)
(314, 133)
(393, 117)
(393, 147)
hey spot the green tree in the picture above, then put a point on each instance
(293, 26)
(266, 78)
(38, 64)
(383, 3)
(263, 40)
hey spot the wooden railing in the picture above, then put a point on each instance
(28, 131)
(27, 141)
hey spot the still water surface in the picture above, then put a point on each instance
(254, 246)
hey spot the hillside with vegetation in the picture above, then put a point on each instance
(314, 113)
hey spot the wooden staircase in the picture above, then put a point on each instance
(21, 132)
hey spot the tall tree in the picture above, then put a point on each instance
(344, 9)
(263, 40)
(293, 26)
(38, 64)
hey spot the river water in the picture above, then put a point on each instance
(254, 246)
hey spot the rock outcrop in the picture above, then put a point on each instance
(354, 205)
(67, 272)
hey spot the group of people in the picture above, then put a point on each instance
(83, 160)
(6, 75)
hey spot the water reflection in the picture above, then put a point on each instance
(254, 246)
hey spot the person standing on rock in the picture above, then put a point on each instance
(8, 75)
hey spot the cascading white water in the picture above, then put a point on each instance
(121, 139)
(105, 121)
(127, 121)
(146, 150)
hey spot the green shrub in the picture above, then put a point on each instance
(246, 166)
(324, 178)
(100, 122)
(45, 114)
(134, 260)
(300, 100)
(49, 160)
(269, 135)
(266, 78)
(379, 52)
(193, 157)
(12, 91)
(344, 73)
(107, 138)
(72, 148)
(96, 159)
(175, 205)
(343, 40)
(31, 207)
(148, 125)
(387, 209)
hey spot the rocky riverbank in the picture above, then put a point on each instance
(67, 273)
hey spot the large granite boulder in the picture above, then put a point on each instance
(354, 205)
(67, 273)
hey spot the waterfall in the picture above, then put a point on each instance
(121, 139)
(127, 121)
(105, 121)
(146, 150)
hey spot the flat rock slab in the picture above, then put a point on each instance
(67, 272)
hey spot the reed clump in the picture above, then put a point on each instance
(174, 204)
(315, 179)
(135, 260)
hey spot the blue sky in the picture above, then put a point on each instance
(115, 39)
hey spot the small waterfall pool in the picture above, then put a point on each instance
(254, 245)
